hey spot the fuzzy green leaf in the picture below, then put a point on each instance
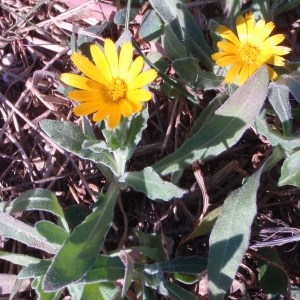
(14, 229)
(37, 199)
(279, 98)
(149, 182)
(82, 248)
(224, 129)
(71, 138)
(290, 171)
(230, 236)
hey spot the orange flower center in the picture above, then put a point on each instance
(116, 90)
(249, 53)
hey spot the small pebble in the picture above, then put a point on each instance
(8, 59)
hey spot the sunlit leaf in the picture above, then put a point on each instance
(150, 183)
(230, 236)
(224, 129)
(290, 171)
(19, 231)
(82, 248)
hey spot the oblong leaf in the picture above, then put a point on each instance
(14, 229)
(53, 233)
(37, 199)
(169, 13)
(81, 249)
(224, 129)
(149, 182)
(71, 138)
(19, 259)
(279, 98)
(230, 236)
(105, 269)
(290, 171)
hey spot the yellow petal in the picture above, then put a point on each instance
(79, 82)
(86, 108)
(258, 30)
(272, 74)
(244, 74)
(139, 95)
(272, 59)
(228, 60)
(142, 79)
(227, 34)
(276, 60)
(252, 68)
(86, 67)
(83, 96)
(249, 17)
(227, 47)
(136, 105)
(114, 119)
(101, 64)
(100, 115)
(111, 54)
(125, 108)
(265, 33)
(125, 59)
(277, 50)
(135, 69)
(272, 41)
(241, 27)
(233, 72)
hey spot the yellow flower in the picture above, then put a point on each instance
(250, 49)
(113, 85)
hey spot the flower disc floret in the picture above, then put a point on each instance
(112, 86)
(251, 48)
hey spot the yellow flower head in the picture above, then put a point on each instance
(250, 49)
(112, 86)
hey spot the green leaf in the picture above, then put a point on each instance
(14, 229)
(99, 291)
(18, 259)
(290, 143)
(271, 274)
(105, 268)
(291, 82)
(82, 248)
(120, 16)
(153, 241)
(184, 265)
(231, 8)
(279, 98)
(224, 129)
(189, 71)
(151, 26)
(42, 295)
(71, 138)
(149, 182)
(35, 270)
(194, 39)
(290, 171)
(205, 226)
(127, 135)
(37, 199)
(176, 292)
(172, 45)
(229, 238)
(53, 233)
(168, 11)
(284, 6)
